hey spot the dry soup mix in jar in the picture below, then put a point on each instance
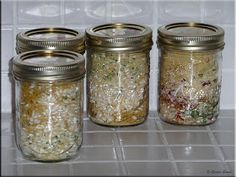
(190, 56)
(49, 98)
(118, 73)
(50, 39)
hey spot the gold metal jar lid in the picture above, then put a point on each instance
(119, 37)
(49, 65)
(50, 39)
(191, 36)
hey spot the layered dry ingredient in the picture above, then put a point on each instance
(49, 119)
(118, 87)
(189, 89)
(118, 73)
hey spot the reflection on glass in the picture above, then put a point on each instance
(188, 150)
(116, 10)
(181, 10)
(71, 10)
(122, 9)
(95, 10)
(43, 10)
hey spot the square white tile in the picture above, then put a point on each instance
(6, 94)
(178, 11)
(39, 12)
(228, 152)
(219, 12)
(150, 153)
(43, 169)
(128, 11)
(88, 13)
(195, 153)
(228, 62)
(148, 125)
(224, 138)
(203, 169)
(231, 166)
(97, 169)
(7, 12)
(188, 138)
(150, 169)
(7, 43)
(8, 141)
(222, 124)
(91, 126)
(96, 154)
(6, 124)
(98, 138)
(153, 114)
(140, 138)
(9, 169)
(227, 113)
(171, 127)
(8, 155)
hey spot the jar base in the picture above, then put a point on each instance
(37, 159)
(48, 161)
(117, 124)
(171, 121)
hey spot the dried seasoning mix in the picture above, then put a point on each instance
(118, 73)
(49, 99)
(190, 73)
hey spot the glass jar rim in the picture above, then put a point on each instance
(119, 37)
(48, 65)
(26, 42)
(191, 36)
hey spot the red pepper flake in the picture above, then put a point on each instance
(178, 117)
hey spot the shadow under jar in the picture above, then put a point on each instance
(118, 73)
(49, 98)
(190, 56)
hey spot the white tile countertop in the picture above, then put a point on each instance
(153, 148)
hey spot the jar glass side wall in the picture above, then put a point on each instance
(118, 87)
(48, 119)
(189, 86)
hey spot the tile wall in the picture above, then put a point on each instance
(23, 15)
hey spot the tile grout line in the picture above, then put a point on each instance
(108, 11)
(202, 9)
(168, 149)
(62, 12)
(15, 23)
(141, 146)
(70, 168)
(220, 153)
(120, 154)
(28, 162)
(166, 131)
(114, 161)
(9, 74)
(176, 145)
(230, 161)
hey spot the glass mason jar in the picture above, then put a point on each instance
(50, 39)
(190, 56)
(49, 98)
(118, 73)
